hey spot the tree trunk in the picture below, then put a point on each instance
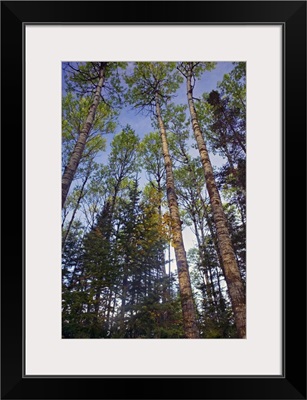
(123, 305)
(204, 270)
(109, 301)
(188, 309)
(81, 195)
(231, 270)
(162, 267)
(74, 160)
(169, 271)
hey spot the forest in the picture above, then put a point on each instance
(153, 200)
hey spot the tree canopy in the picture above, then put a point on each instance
(154, 205)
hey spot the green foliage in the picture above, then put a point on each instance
(125, 241)
(149, 79)
(82, 78)
(155, 320)
(115, 283)
(216, 318)
(195, 69)
(74, 114)
(151, 159)
(233, 86)
(122, 160)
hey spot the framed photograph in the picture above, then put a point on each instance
(162, 149)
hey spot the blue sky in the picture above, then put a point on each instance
(209, 80)
(141, 123)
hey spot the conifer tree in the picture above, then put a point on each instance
(191, 71)
(152, 85)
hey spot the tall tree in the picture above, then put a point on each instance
(192, 198)
(87, 81)
(153, 162)
(192, 70)
(151, 86)
(76, 155)
(78, 194)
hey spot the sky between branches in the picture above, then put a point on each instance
(141, 124)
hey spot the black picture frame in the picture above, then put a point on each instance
(292, 16)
